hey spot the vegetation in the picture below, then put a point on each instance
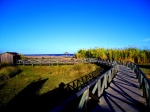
(146, 70)
(3, 65)
(14, 79)
(138, 56)
(8, 72)
(11, 86)
(23, 57)
(132, 54)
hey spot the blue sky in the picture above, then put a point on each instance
(58, 26)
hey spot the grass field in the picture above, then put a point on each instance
(14, 79)
(146, 70)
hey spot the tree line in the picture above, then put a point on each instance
(139, 56)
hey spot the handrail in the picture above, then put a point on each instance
(144, 82)
(96, 87)
(54, 61)
(59, 61)
(77, 84)
(89, 91)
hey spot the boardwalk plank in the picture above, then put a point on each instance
(123, 94)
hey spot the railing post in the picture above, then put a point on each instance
(105, 80)
(32, 64)
(141, 81)
(23, 62)
(144, 89)
(136, 72)
(112, 72)
(110, 76)
(132, 66)
(83, 101)
(99, 87)
(147, 93)
(128, 64)
(87, 99)
(148, 103)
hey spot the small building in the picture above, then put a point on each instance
(10, 57)
(0, 58)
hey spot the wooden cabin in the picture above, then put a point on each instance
(9, 57)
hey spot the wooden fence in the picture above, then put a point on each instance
(58, 61)
(55, 61)
(79, 83)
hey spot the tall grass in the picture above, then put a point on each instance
(139, 56)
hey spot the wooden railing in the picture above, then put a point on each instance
(93, 91)
(79, 83)
(144, 83)
(56, 61)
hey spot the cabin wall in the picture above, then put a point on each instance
(7, 58)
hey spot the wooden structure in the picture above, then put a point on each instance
(0, 58)
(59, 61)
(10, 57)
(123, 88)
(123, 94)
(92, 91)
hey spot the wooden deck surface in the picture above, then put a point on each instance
(123, 94)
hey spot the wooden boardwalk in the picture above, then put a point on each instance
(123, 94)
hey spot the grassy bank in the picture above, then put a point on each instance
(25, 75)
(146, 70)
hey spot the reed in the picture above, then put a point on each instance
(139, 56)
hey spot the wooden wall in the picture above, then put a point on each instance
(9, 58)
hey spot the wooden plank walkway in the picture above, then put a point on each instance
(123, 94)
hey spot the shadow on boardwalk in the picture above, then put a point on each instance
(123, 95)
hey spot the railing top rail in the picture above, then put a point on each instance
(58, 60)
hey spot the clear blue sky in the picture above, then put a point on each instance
(57, 26)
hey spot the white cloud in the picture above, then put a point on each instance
(146, 40)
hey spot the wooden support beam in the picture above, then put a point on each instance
(82, 101)
(99, 87)
(93, 96)
(105, 80)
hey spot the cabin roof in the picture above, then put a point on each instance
(13, 53)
